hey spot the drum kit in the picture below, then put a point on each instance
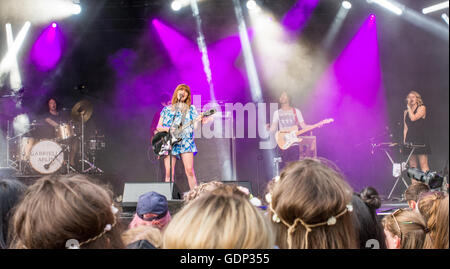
(29, 155)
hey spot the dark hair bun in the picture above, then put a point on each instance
(371, 198)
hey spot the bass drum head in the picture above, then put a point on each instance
(43, 153)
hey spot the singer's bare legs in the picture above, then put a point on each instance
(188, 161)
(167, 166)
(423, 161)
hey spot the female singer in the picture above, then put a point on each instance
(180, 113)
(414, 131)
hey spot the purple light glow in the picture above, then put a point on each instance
(351, 91)
(47, 50)
(184, 54)
(297, 17)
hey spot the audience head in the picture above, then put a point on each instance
(201, 189)
(150, 234)
(11, 191)
(433, 206)
(405, 229)
(221, 219)
(440, 239)
(365, 219)
(151, 210)
(311, 207)
(59, 209)
(413, 192)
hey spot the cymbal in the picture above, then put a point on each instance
(82, 108)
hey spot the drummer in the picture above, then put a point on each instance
(52, 120)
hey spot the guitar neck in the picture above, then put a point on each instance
(312, 127)
(192, 121)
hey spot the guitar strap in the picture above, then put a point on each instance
(296, 118)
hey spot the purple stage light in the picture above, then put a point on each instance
(186, 58)
(297, 17)
(48, 48)
(351, 91)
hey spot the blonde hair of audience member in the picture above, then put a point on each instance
(441, 230)
(310, 207)
(221, 219)
(405, 229)
(149, 233)
(201, 189)
(58, 208)
(428, 206)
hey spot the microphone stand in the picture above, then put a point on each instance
(171, 148)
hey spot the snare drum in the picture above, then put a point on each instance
(65, 131)
(43, 153)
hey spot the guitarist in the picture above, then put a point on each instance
(285, 119)
(175, 115)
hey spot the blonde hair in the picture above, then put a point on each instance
(310, 206)
(182, 87)
(433, 206)
(58, 208)
(221, 219)
(201, 189)
(413, 230)
(419, 98)
(143, 232)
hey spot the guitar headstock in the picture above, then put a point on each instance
(209, 112)
(326, 121)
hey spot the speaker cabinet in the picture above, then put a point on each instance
(132, 191)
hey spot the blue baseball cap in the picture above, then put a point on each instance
(152, 203)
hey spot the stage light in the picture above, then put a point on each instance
(389, 5)
(76, 9)
(372, 17)
(176, 5)
(436, 7)
(54, 25)
(444, 16)
(251, 5)
(346, 4)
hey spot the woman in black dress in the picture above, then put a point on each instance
(414, 131)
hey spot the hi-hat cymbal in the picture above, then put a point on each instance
(82, 108)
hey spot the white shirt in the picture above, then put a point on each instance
(286, 118)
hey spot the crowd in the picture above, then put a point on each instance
(309, 206)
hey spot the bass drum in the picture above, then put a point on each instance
(43, 153)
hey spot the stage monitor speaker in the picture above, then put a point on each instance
(133, 190)
(245, 184)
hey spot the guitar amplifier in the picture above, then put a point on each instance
(308, 147)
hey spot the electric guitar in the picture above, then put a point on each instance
(162, 141)
(287, 138)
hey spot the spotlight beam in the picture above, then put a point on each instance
(14, 75)
(392, 6)
(444, 16)
(13, 47)
(202, 47)
(436, 7)
(250, 66)
(335, 27)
